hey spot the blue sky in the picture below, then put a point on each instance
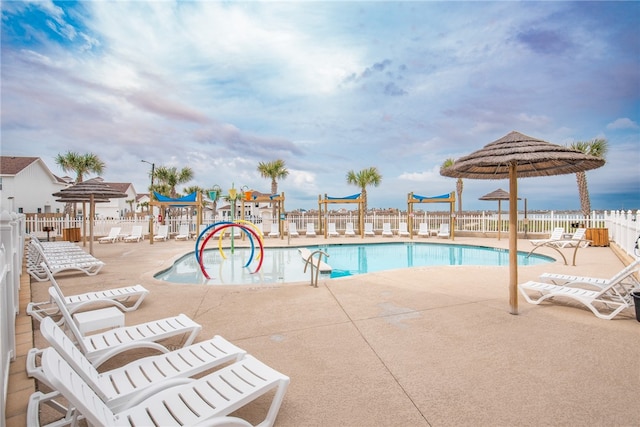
(328, 87)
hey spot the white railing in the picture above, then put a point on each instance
(11, 253)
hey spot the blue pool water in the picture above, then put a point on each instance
(283, 265)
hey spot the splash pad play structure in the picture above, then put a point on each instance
(250, 230)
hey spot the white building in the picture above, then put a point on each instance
(27, 185)
(118, 208)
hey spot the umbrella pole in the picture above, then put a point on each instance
(84, 224)
(91, 216)
(513, 237)
(499, 217)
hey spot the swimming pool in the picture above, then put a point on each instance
(285, 265)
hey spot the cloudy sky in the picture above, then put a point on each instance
(328, 87)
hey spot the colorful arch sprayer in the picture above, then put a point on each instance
(249, 228)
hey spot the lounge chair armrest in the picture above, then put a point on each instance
(33, 369)
(126, 347)
(38, 398)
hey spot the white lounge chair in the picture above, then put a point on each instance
(403, 230)
(114, 235)
(126, 299)
(162, 235)
(183, 232)
(60, 262)
(136, 234)
(443, 231)
(423, 231)
(368, 229)
(206, 401)
(331, 230)
(311, 230)
(605, 301)
(386, 229)
(293, 230)
(138, 379)
(100, 347)
(275, 230)
(349, 231)
(576, 240)
(565, 279)
(556, 234)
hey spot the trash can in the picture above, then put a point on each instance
(636, 302)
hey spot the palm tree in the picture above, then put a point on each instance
(81, 164)
(130, 202)
(275, 170)
(363, 179)
(169, 177)
(598, 148)
(195, 189)
(459, 184)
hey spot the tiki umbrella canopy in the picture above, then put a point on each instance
(498, 195)
(91, 191)
(517, 155)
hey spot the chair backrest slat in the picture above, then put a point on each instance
(66, 380)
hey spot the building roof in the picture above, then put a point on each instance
(120, 186)
(12, 165)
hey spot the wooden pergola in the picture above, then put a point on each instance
(444, 198)
(356, 198)
(193, 199)
(253, 197)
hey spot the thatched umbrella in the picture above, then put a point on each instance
(517, 155)
(498, 195)
(92, 191)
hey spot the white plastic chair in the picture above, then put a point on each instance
(114, 235)
(139, 378)
(311, 230)
(349, 231)
(162, 234)
(386, 229)
(126, 299)
(136, 234)
(368, 229)
(183, 232)
(206, 401)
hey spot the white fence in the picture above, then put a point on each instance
(11, 254)
(623, 229)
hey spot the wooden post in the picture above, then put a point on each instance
(513, 237)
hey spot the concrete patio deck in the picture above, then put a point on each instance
(426, 346)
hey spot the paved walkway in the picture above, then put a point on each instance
(427, 346)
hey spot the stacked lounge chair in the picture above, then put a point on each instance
(154, 390)
(59, 258)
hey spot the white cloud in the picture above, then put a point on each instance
(622, 123)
